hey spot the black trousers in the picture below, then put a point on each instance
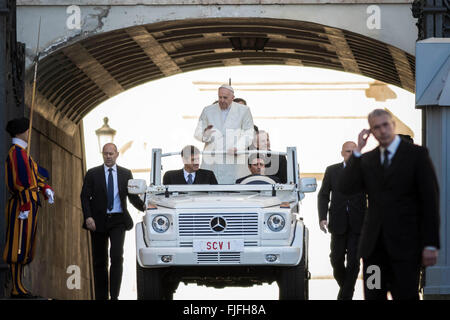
(115, 236)
(345, 247)
(399, 277)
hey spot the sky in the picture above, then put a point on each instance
(315, 110)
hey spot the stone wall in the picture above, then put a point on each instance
(61, 242)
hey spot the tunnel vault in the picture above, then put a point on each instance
(76, 76)
(74, 79)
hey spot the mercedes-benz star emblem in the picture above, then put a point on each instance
(218, 224)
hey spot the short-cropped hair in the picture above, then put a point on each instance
(378, 113)
(239, 100)
(188, 151)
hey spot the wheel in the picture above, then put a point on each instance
(306, 262)
(169, 290)
(293, 283)
(168, 295)
(149, 283)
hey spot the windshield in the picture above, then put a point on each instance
(251, 166)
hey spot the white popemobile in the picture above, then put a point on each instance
(222, 235)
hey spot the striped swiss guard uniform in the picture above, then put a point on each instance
(25, 179)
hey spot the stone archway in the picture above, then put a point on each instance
(77, 77)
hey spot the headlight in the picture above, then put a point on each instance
(276, 222)
(160, 224)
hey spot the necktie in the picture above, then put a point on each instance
(110, 190)
(386, 159)
(189, 180)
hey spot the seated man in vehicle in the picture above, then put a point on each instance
(276, 164)
(257, 167)
(191, 172)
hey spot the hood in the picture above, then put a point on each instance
(226, 200)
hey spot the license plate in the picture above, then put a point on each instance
(234, 245)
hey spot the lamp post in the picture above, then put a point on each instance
(105, 134)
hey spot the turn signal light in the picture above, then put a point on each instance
(285, 205)
(151, 206)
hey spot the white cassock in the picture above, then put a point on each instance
(232, 129)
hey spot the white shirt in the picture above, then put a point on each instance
(19, 142)
(392, 148)
(225, 112)
(186, 175)
(117, 207)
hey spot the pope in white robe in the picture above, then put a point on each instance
(225, 126)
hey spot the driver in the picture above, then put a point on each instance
(257, 167)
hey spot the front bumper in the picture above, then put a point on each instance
(286, 255)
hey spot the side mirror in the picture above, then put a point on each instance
(137, 186)
(308, 185)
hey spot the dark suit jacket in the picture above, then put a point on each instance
(94, 198)
(281, 162)
(339, 218)
(403, 201)
(277, 160)
(202, 176)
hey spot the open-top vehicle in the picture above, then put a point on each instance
(222, 235)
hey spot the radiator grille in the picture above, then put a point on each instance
(218, 257)
(237, 224)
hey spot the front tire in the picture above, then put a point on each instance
(170, 288)
(149, 283)
(293, 283)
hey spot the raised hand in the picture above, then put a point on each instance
(207, 133)
(362, 139)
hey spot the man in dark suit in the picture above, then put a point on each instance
(104, 202)
(275, 164)
(191, 172)
(401, 229)
(346, 214)
(256, 166)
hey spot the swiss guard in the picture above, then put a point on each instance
(25, 179)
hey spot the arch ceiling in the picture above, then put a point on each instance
(75, 79)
